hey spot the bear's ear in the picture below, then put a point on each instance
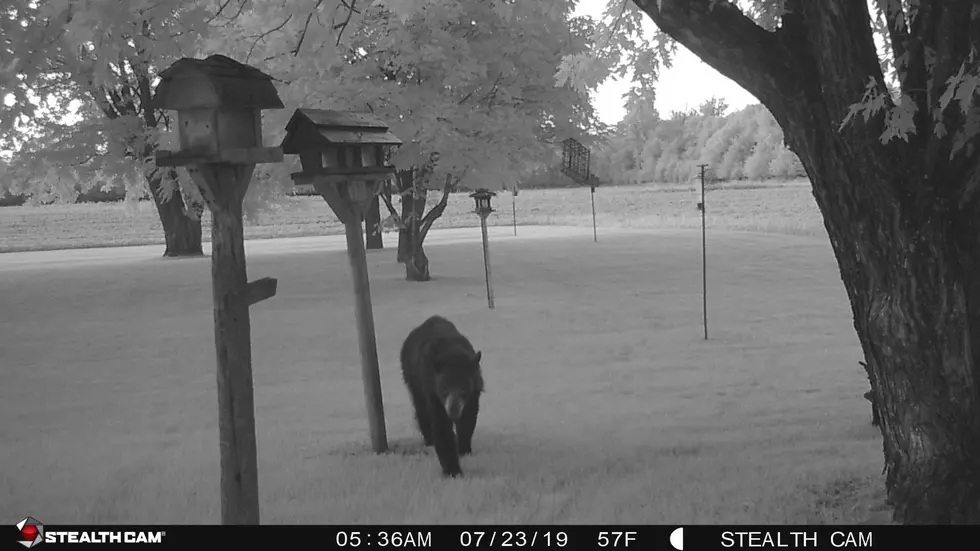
(479, 356)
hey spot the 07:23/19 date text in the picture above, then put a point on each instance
(508, 538)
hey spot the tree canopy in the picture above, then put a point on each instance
(470, 81)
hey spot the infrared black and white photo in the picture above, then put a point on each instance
(489, 263)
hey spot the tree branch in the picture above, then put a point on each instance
(917, 67)
(807, 72)
(241, 7)
(99, 97)
(437, 209)
(221, 8)
(726, 39)
(833, 42)
(146, 101)
(386, 197)
(466, 97)
(306, 26)
(351, 10)
(950, 39)
(265, 34)
(898, 34)
(493, 90)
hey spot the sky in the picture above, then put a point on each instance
(685, 85)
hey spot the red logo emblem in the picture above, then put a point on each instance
(31, 532)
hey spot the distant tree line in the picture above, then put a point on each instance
(645, 148)
(96, 194)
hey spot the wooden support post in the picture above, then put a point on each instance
(220, 137)
(224, 186)
(349, 175)
(351, 214)
(486, 260)
(370, 372)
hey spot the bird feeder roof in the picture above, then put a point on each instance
(322, 128)
(217, 81)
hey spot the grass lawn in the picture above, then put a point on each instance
(604, 404)
(754, 206)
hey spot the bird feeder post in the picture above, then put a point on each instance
(219, 123)
(483, 209)
(513, 205)
(343, 157)
(704, 257)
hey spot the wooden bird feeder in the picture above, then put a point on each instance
(219, 123)
(219, 120)
(482, 199)
(343, 158)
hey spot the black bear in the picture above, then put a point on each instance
(442, 372)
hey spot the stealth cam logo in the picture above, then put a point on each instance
(31, 532)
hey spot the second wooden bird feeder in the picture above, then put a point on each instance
(343, 157)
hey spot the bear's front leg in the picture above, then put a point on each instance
(467, 425)
(444, 439)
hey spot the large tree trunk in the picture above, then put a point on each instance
(414, 223)
(405, 229)
(916, 303)
(410, 237)
(413, 210)
(182, 233)
(404, 241)
(372, 225)
(902, 221)
(416, 262)
(410, 251)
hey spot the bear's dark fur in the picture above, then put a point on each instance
(442, 372)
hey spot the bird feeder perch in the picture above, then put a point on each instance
(343, 157)
(219, 125)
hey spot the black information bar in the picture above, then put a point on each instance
(373, 537)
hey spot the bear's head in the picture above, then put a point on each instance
(458, 380)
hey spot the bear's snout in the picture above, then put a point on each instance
(454, 406)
